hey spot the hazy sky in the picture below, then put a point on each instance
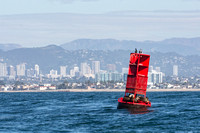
(42, 22)
(93, 6)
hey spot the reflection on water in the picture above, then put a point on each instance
(134, 109)
(140, 110)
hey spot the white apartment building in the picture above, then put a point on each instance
(37, 70)
(95, 67)
(3, 70)
(85, 69)
(21, 69)
(53, 73)
(74, 71)
(11, 72)
(63, 71)
(155, 77)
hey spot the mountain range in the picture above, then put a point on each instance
(184, 52)
(53, 56)
(183, 46)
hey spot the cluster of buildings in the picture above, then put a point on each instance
(155, 76)
(109, 78)
(20, 70)
(89, 71)
(92, 70)
(77, 71)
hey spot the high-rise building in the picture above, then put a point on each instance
(85, 69)
(74, 72)
(96, 67)
(76, 69)
(108, 76)
(175, 70)
(155, 77)
(103, 77)
(3, 70)
(11, 72)
(115, 76)
(53, 73)
(21, 69)
(37, 70)
(63, 72)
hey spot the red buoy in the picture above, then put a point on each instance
(136, 85)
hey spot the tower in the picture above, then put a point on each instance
(63, 71)
(37, 70)
(3, 69)
(85, 69)
(96, 67)
(21, 69)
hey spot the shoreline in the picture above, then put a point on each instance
(101, 90)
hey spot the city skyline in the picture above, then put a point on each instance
(93, 71)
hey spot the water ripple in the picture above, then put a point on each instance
(97, 112)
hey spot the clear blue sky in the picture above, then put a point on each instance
(26, 22)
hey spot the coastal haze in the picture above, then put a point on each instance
(30, 30)
(66, 62)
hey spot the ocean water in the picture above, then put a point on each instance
(97, 112)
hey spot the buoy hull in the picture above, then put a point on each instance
(124, 104)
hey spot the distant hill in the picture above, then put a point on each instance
(48, 57)
(192, 42)
(6, 47)
(52, 57)
(183, 46)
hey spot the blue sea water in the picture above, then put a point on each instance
(97, 112)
